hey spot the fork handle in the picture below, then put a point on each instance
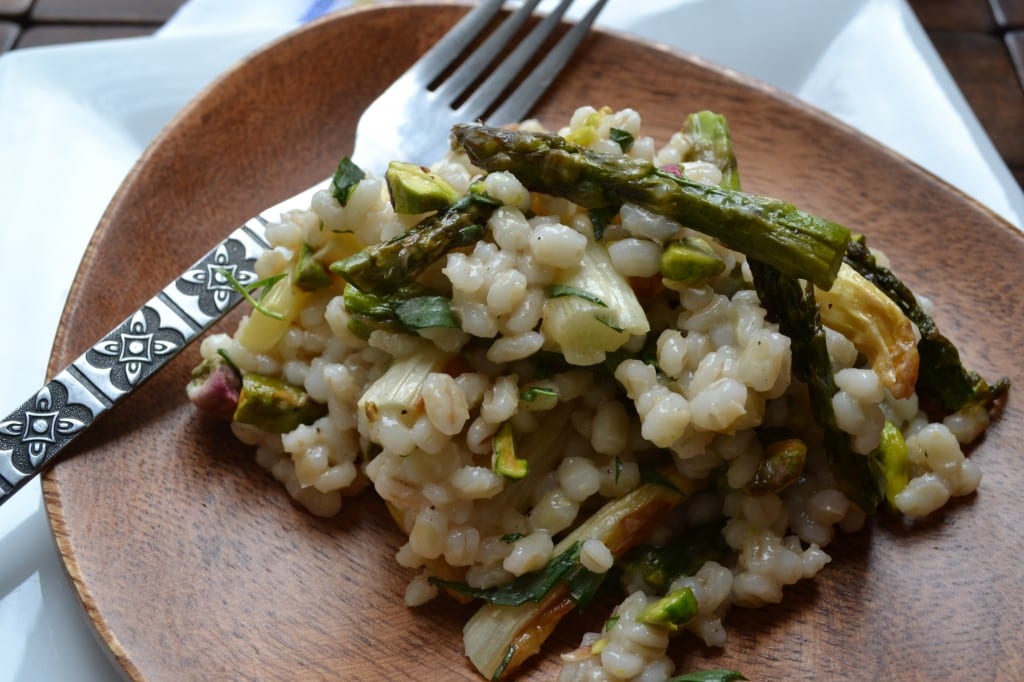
(112, 368)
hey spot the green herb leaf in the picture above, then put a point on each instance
(511, 537)
(534, 586)
(608, 323)
(610, 623)
(534, 392)
(469, 235)
(624, 139)
(246, 291)
(560, 290)
(475, 197)
(345, 180)
(424, 312)
(709, 676)
(229, 362)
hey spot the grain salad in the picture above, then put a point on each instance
(585, 360)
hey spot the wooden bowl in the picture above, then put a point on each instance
(194, 564)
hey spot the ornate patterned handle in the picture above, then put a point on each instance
(32, 435)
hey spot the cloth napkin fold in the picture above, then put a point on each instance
(197, 16)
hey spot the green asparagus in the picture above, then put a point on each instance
(796, 312)
(710, 141)
(776, 232)
(941, 373)
(386, 267)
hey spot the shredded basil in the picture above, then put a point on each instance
(345, 180)
(624, 139)
(474, 197)
(246, 291)
(229, 362)
(469, 235)
(710, 676)
(425, 312)
(534, 586)
(504, 662)
(560, 290)
(608, 323)
(534, 392)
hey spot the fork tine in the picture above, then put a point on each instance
(519, 103)
(473, 66)
(433, 63)
(489, 91)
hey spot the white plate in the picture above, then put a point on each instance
(74, 119)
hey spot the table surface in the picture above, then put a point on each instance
(980, 41)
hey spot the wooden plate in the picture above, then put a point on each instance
(193, 563)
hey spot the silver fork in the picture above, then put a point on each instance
(409, 122)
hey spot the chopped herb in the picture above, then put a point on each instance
(709, 676)
(345, 180)
(424, 312)
(560, 290)
(475, 196)
(610, 623)
(624, 139)
(608, 323)
(504, 662)
(534, 392)
(511, 537)
(534, 586)
(229, 362)
(246, 291)
(618, 469)
(469, 235)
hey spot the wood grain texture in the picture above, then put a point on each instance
(979, 63)
(1008, 13)
(954, 15)
(194, 564)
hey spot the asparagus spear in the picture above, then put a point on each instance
(796, 312)
(386, 267)
(795, 242)
(710, 141)
(941, 373)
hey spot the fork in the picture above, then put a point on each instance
(409, 121)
